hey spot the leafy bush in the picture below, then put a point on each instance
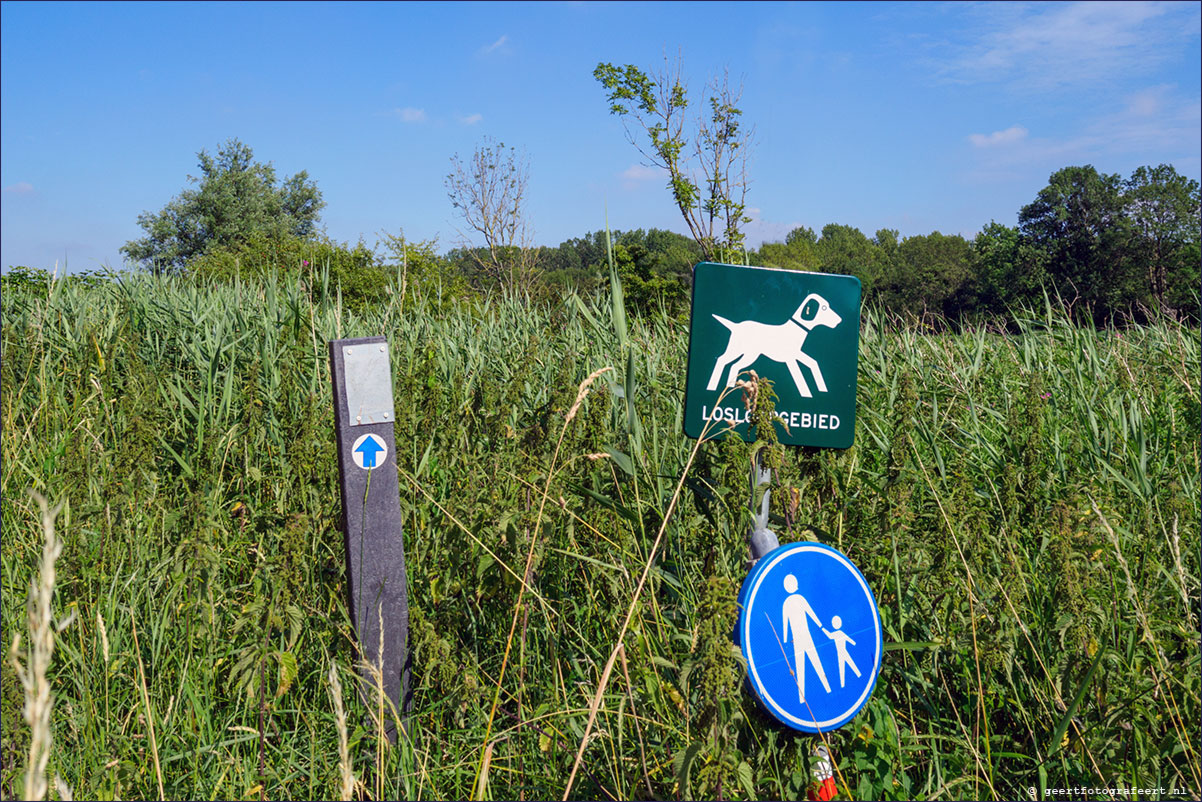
(324, 265)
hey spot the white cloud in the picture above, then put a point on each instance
(637, 175)
(642, 172)
(1056, 45)
(471, 119)
(1151, 126)
(497, 45)
(1014, 133)
(19, 188)
(410, 114)
(1147, 102)
(1155, 125)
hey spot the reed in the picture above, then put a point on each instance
(1024, 501)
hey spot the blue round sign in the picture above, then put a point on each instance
(811, 632)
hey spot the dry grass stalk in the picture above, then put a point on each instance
(751, 391)
(347, 788)
(154, 744)
(485, 763)
(377, 673)
(1174, 541)
(104, 636)
(39, 621)
(595, 705)
(582, 391)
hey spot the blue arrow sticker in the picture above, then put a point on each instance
(369, 451)
(811, 632)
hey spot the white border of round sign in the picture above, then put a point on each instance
(756, 578)
(381, 455)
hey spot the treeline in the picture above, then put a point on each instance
(1109, 248)
(1106, 246)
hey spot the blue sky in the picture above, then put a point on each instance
(918, 117)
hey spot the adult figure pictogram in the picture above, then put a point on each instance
(796, 612)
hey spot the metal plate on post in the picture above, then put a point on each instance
(368, 383)
(377, 592)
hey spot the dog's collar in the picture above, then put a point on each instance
(802, 323)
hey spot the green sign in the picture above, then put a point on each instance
(801, 330)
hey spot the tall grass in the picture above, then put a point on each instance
(1026, 507)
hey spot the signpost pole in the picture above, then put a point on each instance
(377, 595)
(762, 539)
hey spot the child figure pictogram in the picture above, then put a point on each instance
(841, 640)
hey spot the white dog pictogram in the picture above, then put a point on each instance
(750, 339)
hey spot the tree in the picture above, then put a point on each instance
(1077, 220)
(646, 281)
(417, 264)
(489, 193)
(235, 198)
(845, 249)
(930, 274)
(799, 251)
(1163, 209)
(707, 176)
(653, 255)
(1008, 272)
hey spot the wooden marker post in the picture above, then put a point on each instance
(375, 551)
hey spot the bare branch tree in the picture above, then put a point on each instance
(722, 149)
(489, 192)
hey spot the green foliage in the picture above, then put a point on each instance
(325, 267)
(1163, 208)
(655, 266)
(29, 281)
(1077, 220)
(41, 283)
(845, 250)
(236, 198)
(710, 764)
(1104, 247)
(1008, 271)
(708, 180)
(929, 277)
(799, 251)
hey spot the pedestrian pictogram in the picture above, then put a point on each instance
(806, 616)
